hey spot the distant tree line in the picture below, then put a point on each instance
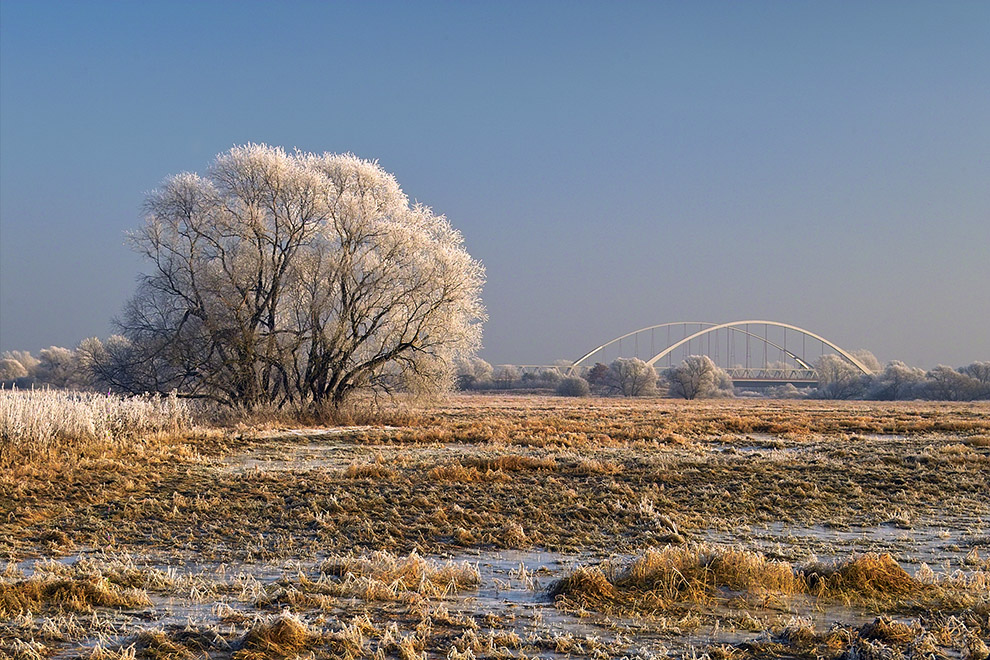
(696, 377)
(699, 377)
(837, 379)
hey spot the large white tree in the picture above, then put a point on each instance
(293, 277)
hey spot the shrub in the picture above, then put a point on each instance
(573, 386)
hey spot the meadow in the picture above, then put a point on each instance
(496, 527)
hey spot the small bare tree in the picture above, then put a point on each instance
(978, 370)
(28, 361)
(473, 373)
(573, 386)
(698, 377)
(837, 378)
(632, 377)
(897, 381)
(947, 384)
(506, 375)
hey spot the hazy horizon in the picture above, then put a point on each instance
(613, 166)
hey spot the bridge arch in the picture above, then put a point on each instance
(741, 327)
(735, 324)
(799, 360)
(587, 355)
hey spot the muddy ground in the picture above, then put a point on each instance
(458, 532)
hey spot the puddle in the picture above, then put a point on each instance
(513, 589)
(318, 432)
(937, 546)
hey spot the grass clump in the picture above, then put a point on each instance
(67, 594)
(381, 576)
(465, 474)
(282, 636)
(512, 463)
(674, 576)
(670, 576)
(870, 577)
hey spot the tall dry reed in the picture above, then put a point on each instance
(37, 425)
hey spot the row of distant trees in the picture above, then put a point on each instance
(696, 377)
(84, 368)
(699, 377)
(837, 379)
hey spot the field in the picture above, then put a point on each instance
(509, 527)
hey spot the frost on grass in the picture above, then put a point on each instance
(675, 576)
(38, 424)
(381, 576)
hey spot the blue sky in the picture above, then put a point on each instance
(614, 165)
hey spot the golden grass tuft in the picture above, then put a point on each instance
(512, 463)
(512, 535)
(460, 473)
(158, 645)
(384, 576)
(662, 578)
(587, 585)
(884, 629)
(800, 633)
(73, 594)
(375, 470)
(284, 635)
(868, 577)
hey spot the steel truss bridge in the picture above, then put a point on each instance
(754, 353)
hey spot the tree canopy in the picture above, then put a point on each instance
(294, 278)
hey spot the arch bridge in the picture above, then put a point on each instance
(755, 353)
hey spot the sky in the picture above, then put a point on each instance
(613, 165)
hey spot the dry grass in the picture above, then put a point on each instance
(465, 474)
(871, 577)
(391, 575)
(480, 474)
(574, 475)
(380, 576)
(50, 425)
(280, 637)
(670, 577)
(79, 593)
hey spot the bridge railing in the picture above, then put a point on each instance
(771, 373)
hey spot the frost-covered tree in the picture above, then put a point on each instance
(28, 361)
(698, 377)
(896, 382)
(544, 377)
(632, 377)
(978, 370)
(573, 386)
(295, 278)
(598, 378)
(11, 369)
(61, 367)
(506, 375)
(838, 378)
(473, 372)
(947, 384)
(868, 360)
